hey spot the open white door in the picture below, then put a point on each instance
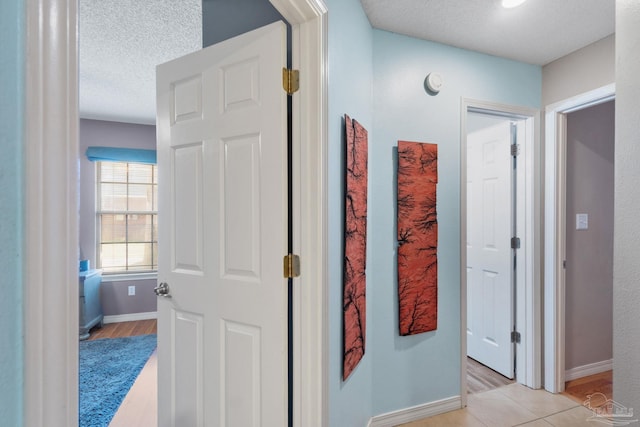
(490, 313)
(222, 149)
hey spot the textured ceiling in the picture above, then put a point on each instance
(121, 42)
(537, 32)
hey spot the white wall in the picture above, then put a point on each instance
(581, 71)
(626, 264)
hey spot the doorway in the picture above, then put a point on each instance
(556, 223)
(519, 300)
(589, 241)
(491, 256)
(52, 81)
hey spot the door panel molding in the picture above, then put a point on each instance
(51, 392)
(528, 306)
(555, 229)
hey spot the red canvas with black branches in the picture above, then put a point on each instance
(417, 237)
(355, 245)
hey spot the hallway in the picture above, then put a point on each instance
(513, 405)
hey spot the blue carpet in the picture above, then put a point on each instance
(108, 368)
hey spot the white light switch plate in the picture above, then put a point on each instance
(582, 221)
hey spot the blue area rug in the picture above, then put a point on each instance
(108, 368)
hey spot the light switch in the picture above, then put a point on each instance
(582, 221)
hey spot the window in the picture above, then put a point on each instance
(127, 217)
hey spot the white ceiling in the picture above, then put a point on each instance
(122, 41)
(537, 32)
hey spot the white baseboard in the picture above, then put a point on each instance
(586, 370)
(130, 317)
(415, 413)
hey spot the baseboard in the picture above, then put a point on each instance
(586, 370)
(130, 317)
(415, 413)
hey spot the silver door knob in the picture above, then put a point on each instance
(162, 290)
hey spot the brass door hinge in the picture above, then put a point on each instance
(291, 264)
(290, 80)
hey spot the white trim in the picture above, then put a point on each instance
(129, 277)
(415, 413)
(589, 369)
(308, 19)
(51, 122)
(554, 234)
(131, 317)
(528, 305)
(51, 215)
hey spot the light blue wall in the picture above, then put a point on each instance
(409, 371)
(350, 92)
(11, 112)
(377, 78)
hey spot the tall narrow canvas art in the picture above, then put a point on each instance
(417, 237)
(355, 245)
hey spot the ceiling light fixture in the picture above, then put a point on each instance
(508, 4)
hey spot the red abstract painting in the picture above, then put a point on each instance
(417, 237)
(355, 245)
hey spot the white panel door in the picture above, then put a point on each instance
(490, 314)
(222, 141)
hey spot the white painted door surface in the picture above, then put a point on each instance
(222, 334)
(490, 315)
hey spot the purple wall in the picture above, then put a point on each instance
(589, 272)
(115, 300)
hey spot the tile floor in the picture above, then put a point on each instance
(513, 405)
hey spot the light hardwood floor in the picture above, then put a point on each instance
(481, 379)
(580, 389)
(125, 329)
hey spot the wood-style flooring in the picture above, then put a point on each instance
(481, 378)
(580, 389)
(125, 329)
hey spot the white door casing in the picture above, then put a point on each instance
(555, 233)
(528, 279)
(490, 310)
(222, 150)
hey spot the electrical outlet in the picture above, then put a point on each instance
(132, 290)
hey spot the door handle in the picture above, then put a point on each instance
(162, 290)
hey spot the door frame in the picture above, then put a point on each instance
(555, 229)
(51, 119)
(528, 304)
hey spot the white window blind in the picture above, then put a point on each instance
(127, 217)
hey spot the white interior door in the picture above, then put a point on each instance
(490, 313)
(222, 333)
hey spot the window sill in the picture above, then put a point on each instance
(127, 277)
